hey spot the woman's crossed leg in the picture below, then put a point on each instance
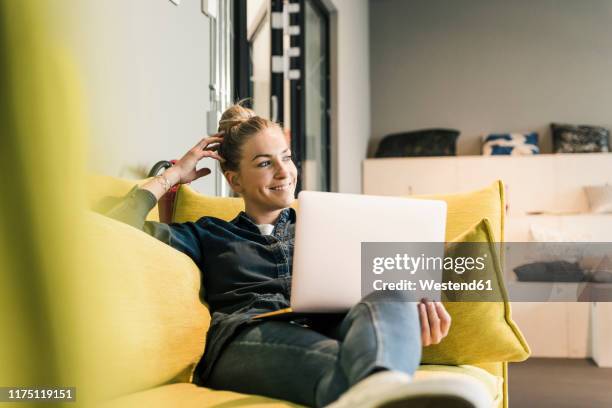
(314, 367)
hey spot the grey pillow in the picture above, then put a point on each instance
(579, 138)
(556, 271)
(418, 143)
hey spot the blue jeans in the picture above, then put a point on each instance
(313, 365)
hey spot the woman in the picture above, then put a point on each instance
(365, 357)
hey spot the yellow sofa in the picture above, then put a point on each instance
(155, 325)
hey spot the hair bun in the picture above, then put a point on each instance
(234, 116)
(239, 124)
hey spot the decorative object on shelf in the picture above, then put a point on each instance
(555, 271)
(419, 143)
(516, 144)
(580, 138)
(600, 198)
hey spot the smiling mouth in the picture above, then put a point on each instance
(281, 187)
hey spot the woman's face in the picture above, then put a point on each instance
(267, 175)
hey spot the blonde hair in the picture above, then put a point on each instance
(238, 124)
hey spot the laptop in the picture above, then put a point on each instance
(329, 230)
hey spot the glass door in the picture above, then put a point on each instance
(315, 165)
(259, 43)
(282, 65)
(309, 96)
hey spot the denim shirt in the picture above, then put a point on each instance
(243, 273)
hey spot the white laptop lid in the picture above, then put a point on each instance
(329, 231)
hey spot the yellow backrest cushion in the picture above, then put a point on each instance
(466, 209)
(104, 191)
(189, 205)
(149, 322)
(481, 332)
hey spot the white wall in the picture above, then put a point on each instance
(145, 70)
(350, 92)
(485, 66)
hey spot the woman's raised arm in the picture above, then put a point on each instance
(134, 207)
(184, 170)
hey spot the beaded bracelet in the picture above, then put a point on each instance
(164, 182)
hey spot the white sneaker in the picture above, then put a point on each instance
(392, 389)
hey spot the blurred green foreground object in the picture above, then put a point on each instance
(41, 168)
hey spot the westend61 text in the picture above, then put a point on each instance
(432, 285)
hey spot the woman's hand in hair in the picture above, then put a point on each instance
(435, 322)
(185, 169)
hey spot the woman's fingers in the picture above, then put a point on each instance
(212, 146)
(213, 155)
(210, 141)
(220, 134)
(445, 319)
(186, 166)
(425, 334)
(434, 322)
(206, 145)
(205, 141)
(207, 151)
(216, 135)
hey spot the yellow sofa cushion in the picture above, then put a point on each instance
(466, 209)
(149, 322)
(480, 332)
(104, 191)
(189, 205)
(191, 396)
